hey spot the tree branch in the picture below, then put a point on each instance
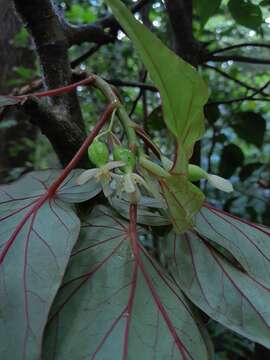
(42, 20)
(124, 83)
(237, 81)
(237, 46)
(180, 14)
(55, 127)
(77, 34)
(237, 58)
(244, 98)
(95, 32)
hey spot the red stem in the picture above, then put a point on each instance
(53, 188)
(61, 90)
(88, 141)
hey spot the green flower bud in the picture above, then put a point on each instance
(195, 173)
(98, 153)
(125, 155)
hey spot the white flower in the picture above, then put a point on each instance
(220, 183)
(102, 174)
(128, 184)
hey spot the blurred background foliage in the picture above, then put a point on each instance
(236, 144)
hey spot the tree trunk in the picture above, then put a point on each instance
(13, 149)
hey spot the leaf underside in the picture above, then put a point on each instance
(116, 302)
(41, 237)
(237, 296)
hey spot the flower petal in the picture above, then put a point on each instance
(114, 164)
(86, 176)
(220, 183)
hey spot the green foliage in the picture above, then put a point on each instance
(80, 13)
(182, 105)
(245, 13)
(106, 291)
(206, 8)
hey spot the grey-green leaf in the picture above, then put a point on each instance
(37, 235)
(248, 243)
(221, 290)
(117, 303)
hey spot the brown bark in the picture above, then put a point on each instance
(11, 56)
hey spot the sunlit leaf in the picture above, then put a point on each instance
(182, 90)
(116, 302)
(224, 292)
(183, 199)
(37, 234)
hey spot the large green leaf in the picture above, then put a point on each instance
(37, 235)
(117, 303)
(206, 9)
(224, 292)
(245, 13)
(182, 90)
(248, 243)
(184, 200)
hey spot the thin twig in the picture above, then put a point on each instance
(237, 58)
(237, 46)
(244, 98)
(237, 81)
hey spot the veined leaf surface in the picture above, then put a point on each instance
(37, 234)
(248, 243)
(116, 303)
(184, 200)
(224, 292)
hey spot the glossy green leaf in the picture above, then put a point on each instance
(231, 158)
(221, 290)
(206, 8)
(117, 303)
(184, 200)
(248, 243)
(182, 90)
(245, 13)
(250, 127)
(37, 234)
